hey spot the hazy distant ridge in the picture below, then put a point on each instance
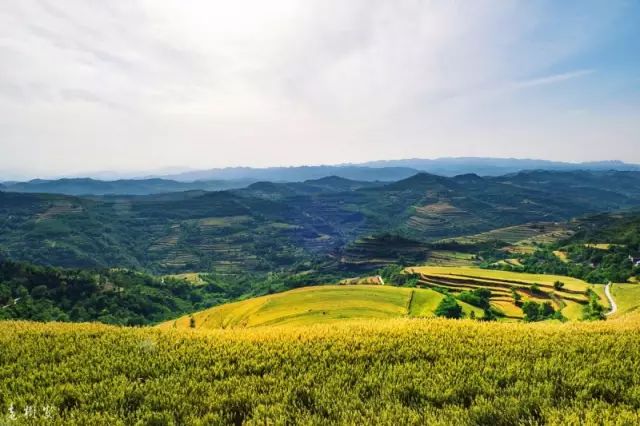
(239, 177)
(391, 170)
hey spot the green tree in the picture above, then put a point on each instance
(535, 288)
(517, 298)
(489, 315)
(593, 311)
(546, 310)
(5, 294)
(39, 292)
(531, 311)
(449, 308)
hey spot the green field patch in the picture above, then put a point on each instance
(627, 297)
(194, 278)
(223, 221)
(562, 255)
(601, 246)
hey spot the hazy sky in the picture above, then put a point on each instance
(146, 84)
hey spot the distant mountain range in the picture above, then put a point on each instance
(88, 186)
(497, 166)
(393, 170)
(298, 174)
(239, 177)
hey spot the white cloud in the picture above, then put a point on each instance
(147, 83)
(551, 79)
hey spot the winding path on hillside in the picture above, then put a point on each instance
(612, 303)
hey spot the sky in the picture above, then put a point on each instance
(144, 85)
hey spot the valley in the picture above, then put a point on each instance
(325, 301)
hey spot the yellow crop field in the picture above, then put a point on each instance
(191, 277)
(396, 371)
(490, 274)
(561, 255)
(221, 221)
(320, 304)
(569, 299)
(600, 246)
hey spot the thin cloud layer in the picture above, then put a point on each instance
(146, 84)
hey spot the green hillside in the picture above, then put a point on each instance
(275, 226)
(115, 296)
(598, 249)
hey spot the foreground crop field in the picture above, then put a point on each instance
(386, 372)
(321, 304)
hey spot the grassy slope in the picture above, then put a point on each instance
(321, 304)
(390, 372)
(627, 297)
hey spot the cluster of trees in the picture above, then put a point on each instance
(593, 310)
(593, 265)
(479, 297)
(111, 296)
(534, 311)
(395, 275)
(450, 308)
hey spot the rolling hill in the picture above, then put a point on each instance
(336, 303)
(270, 226)
(319, 305)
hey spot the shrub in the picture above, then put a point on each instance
(449, 308)
(479, 297)
(531, 311)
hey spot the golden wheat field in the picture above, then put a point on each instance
(398, 371)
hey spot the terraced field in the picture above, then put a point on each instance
(569, 300)
(433, 219)
(522, 238)
(58, 209)
(383, 250)
(321, 304)
(450, 258)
